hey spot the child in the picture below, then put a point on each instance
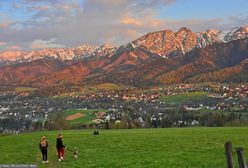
(43, 148)
(75, 153)
(60, 147)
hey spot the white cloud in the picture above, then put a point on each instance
(38, 44)
(2, 43)
(14, 47)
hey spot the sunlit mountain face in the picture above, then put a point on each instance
(157, 58)
(139, 43)
(163, 43)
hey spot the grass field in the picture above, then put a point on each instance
(88, 117)
(172, 148)
(183, 98)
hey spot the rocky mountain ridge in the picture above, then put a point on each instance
(164, 43)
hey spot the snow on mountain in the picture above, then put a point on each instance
(79, 52)
(228, 35)
(165, 43)
(168, 43)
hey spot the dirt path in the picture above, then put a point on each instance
(100, 114)
(74, 116)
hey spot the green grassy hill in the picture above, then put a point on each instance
(172, 148)
(184, 98)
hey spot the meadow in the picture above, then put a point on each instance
(87, 118)
(185, 97)
(172, 148)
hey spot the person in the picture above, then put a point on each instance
(60, 147)
(43, 148)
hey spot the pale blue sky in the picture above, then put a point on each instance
(204, 9)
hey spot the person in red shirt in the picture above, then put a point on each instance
(60, 147)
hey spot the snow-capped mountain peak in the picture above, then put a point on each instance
(168, 43)
(79, 52)
(165, 43)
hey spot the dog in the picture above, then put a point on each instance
(96, 132)
(75, 153)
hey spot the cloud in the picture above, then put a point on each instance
(131, 21)
(2, 43)
(14, 47)
(5, 21)
(59, 23)
(3, 25)
(43, 8)
(38, 44)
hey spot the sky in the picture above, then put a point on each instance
(37, 24)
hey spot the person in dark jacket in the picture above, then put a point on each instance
(60, 147)
(43, 148)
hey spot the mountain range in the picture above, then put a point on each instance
(157, 58)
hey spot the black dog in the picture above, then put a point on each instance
(96, 132)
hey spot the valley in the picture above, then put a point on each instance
(112, 106)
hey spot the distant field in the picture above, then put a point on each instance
(172, 148)
(183, 98)
(24, 89)
(108, 86)
(92, 89)
(87, 115)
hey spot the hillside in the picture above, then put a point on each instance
(158, 58)
(174, 148)
(219, 62)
